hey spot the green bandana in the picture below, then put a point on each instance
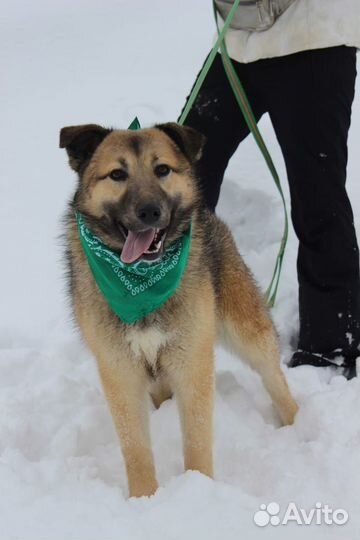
(134, 290)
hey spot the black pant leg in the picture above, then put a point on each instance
(216, 114)
(311, 116)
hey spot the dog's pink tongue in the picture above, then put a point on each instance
(136, 244)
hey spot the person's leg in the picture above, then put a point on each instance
(311, 117)
(216, 114)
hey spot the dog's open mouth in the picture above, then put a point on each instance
(145, 245)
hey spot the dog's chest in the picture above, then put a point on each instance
(145, 344)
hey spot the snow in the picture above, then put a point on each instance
(61, 470)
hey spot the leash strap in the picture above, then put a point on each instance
(249, 117)
(208, 64)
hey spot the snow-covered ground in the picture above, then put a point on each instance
(61, 471)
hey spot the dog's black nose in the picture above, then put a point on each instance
(149, 214)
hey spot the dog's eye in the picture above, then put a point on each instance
(162, 170)
(118, 175)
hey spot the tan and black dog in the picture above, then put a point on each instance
(140, 180)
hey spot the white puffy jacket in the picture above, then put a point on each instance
(306, 24)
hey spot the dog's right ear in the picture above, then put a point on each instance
(81, 142)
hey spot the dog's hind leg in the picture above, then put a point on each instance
(247, 329)
(160, 391)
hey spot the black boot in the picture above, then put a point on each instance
(334, 359)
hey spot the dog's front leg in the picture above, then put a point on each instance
(193, 384)
(125, 387)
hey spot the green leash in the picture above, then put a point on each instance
(249, 117)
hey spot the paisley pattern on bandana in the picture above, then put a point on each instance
(134, 290)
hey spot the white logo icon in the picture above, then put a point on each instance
(267, 514)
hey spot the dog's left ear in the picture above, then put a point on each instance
(81, 142)
(187, 139)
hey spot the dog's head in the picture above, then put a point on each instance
(137, 189)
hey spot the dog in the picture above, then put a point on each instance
(137, 184)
